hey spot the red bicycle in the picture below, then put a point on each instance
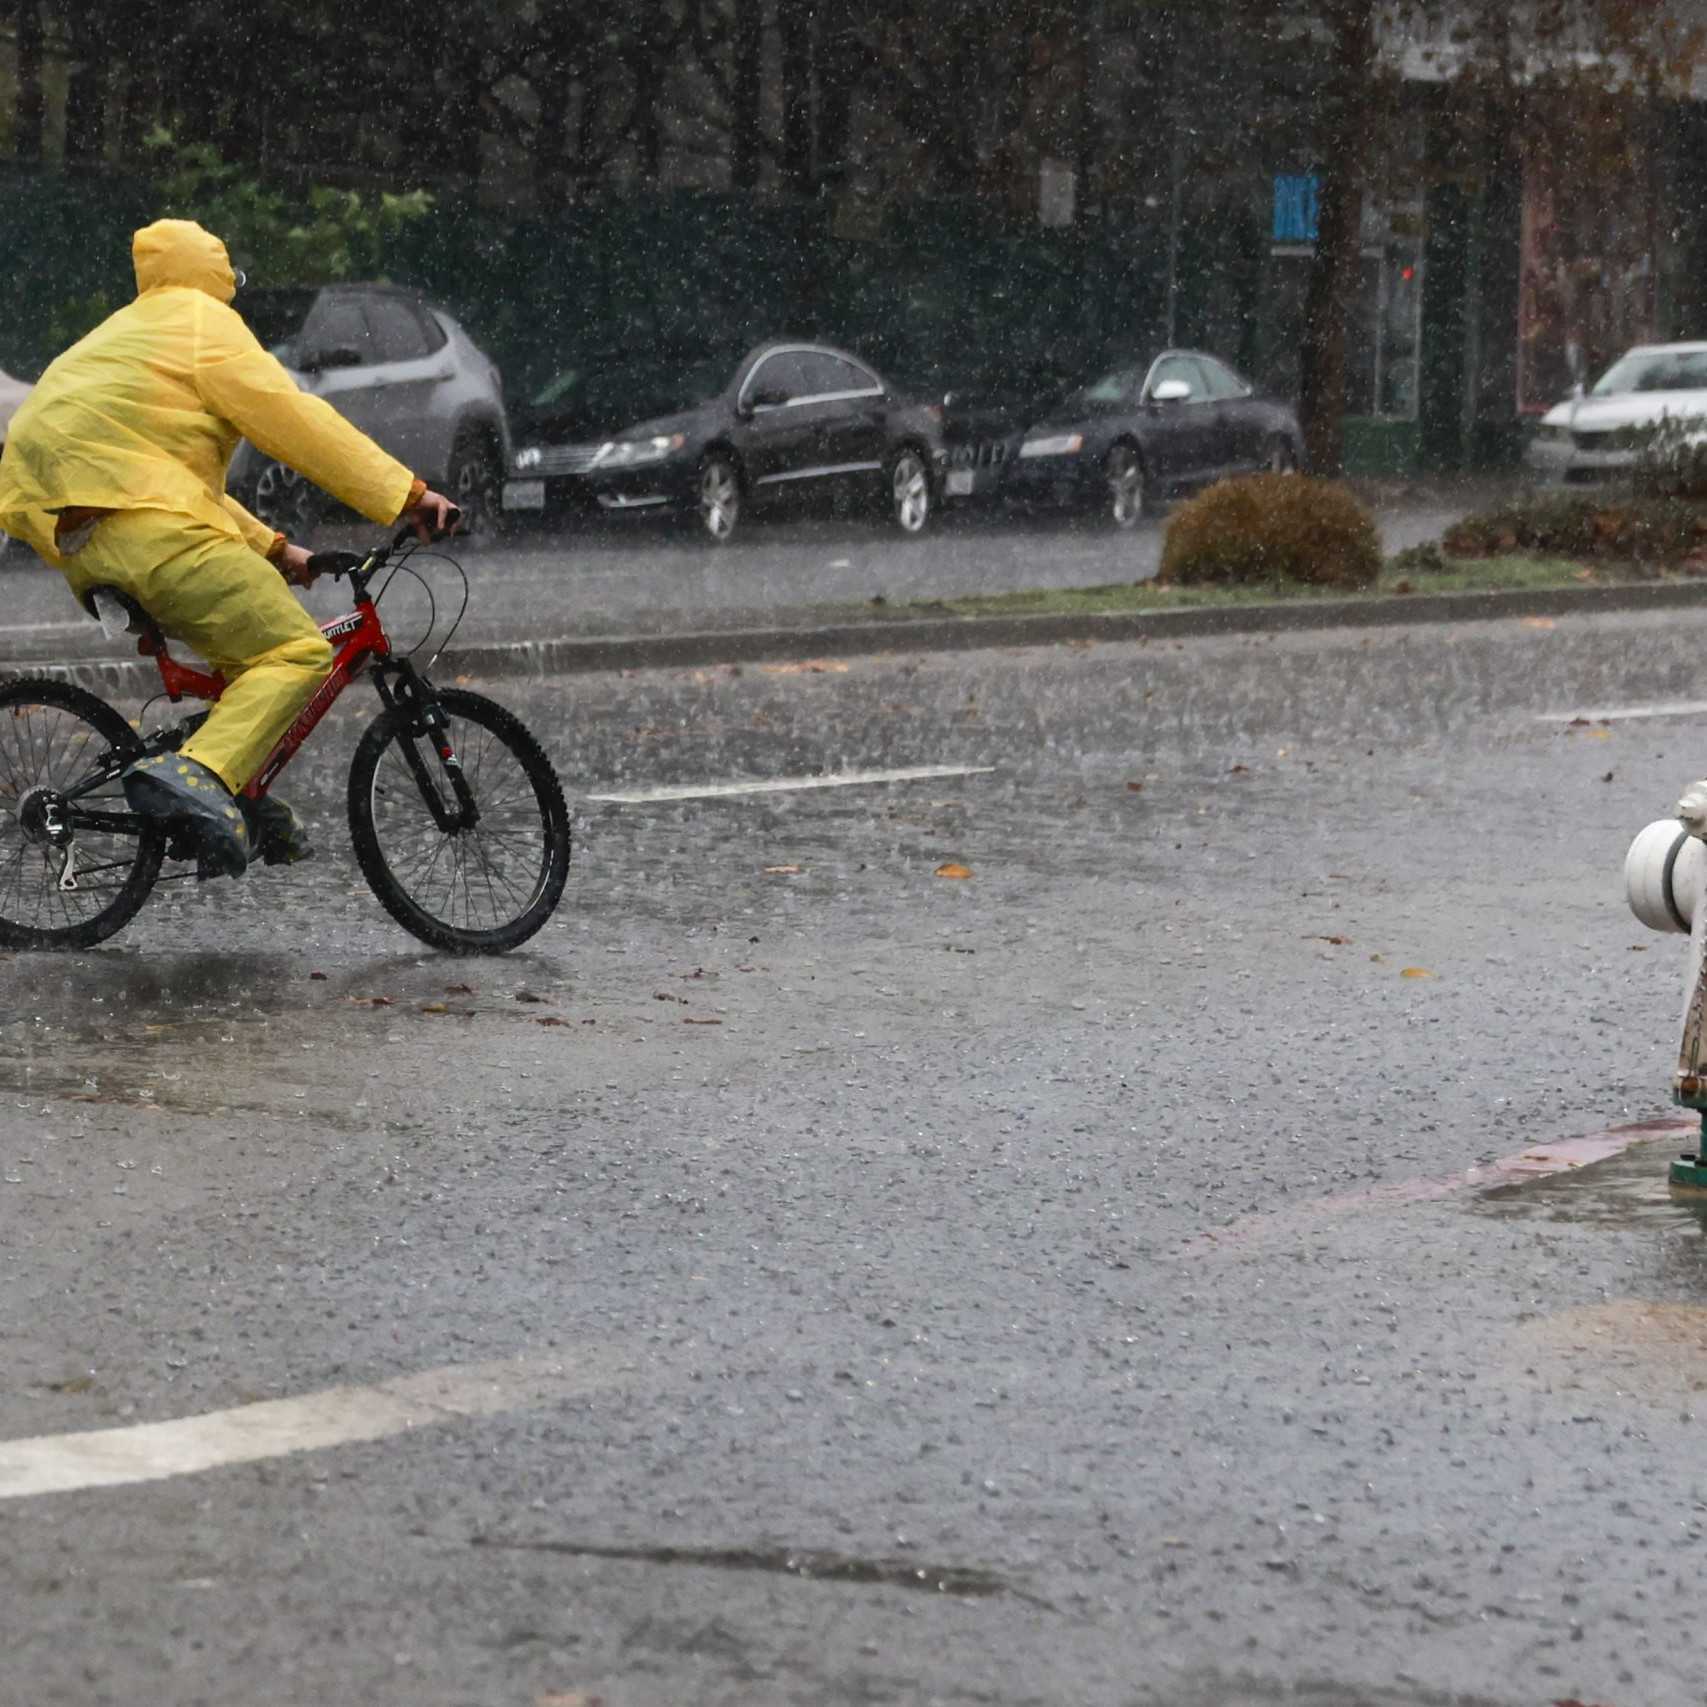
(456, 815)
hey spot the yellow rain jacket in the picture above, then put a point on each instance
(145, 412)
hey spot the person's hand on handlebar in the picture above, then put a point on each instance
(292, 563)
(432, 516)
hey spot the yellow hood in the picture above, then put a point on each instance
(180, 252)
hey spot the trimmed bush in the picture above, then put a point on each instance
(1630, 529)
(1673, 459)
(1269, 528)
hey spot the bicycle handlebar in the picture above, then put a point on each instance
(337, 564)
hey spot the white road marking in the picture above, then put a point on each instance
(150, 1452)
(1627, 713)
(789, 784)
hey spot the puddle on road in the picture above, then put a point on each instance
(965, 1580)
(1629, 1190)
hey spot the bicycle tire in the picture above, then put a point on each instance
(386, 809)
(54, 754)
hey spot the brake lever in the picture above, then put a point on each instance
(406, 534)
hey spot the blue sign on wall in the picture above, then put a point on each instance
(1297, 203)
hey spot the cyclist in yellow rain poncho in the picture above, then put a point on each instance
(114, 470)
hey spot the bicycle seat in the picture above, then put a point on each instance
(140, 621)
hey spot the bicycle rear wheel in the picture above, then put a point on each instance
(478, 890)
(61, 752)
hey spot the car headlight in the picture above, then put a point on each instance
(629, 453)
(1058, 444)
(529, 458)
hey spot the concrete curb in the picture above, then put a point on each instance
(877, 636)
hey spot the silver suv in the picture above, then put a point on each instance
(398, 367)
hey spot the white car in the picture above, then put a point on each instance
(1599, 434)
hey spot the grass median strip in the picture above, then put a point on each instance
(1477, 575)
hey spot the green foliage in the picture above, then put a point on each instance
(1584, 525)
(1272, 528)
(1673, 459)
(323, 235)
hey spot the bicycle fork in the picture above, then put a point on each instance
(427, 721)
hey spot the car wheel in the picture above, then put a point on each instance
(474, 482)
(1127, 500)
(912, 503)
(719, 508)
(1281, 458)
(284, 500)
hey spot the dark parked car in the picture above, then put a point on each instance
(710, 437)
(1148, 430)
(398, 367)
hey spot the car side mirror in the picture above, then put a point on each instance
(340, 355)
(1171, 391)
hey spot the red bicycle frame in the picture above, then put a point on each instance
(360, 638)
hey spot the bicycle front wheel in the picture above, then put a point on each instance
(66, 884)
(478, 889)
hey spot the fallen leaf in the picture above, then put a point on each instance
(317, 977)
(529, 996)
(1638, 948)
(665, 996)
(1608, 777)
(435, 1008)
(551, 1019)
(781, 870)
(1337, 941)
(1134, 788)
(1538, 622)
(688, 1019)
(1240, 770)
(374, 1001)
(1416, 972)
(951, 869)
(1379, 959)
(807, 667)
(459, 989)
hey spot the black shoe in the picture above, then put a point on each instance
(276, 835)
(173, 787)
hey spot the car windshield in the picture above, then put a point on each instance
(1655, 370)
(275, 316)
(1112, 387)
(637, 388)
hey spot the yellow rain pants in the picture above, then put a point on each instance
(226, 603)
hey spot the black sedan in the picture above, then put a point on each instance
(1144, 431)
(709, 439)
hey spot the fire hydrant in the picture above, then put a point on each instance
(1665, 879)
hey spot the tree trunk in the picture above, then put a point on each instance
(747, 139)
(136, 42)
(27, 139)
(86, 89)
(794, 23)
(839, 69)
(1348, 109)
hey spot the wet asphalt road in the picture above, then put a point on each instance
(1080, 1234)
(650, 577)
